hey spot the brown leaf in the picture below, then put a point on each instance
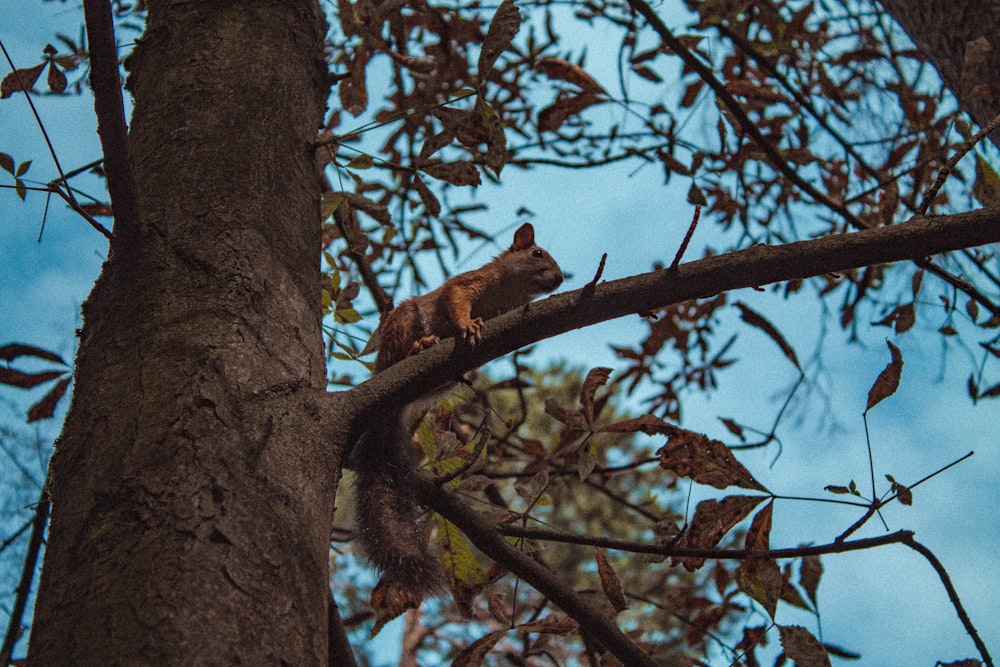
(595, 378)
(98, 209)
(14, 378)
(760, 578)
(553, 624)
(572, 418)
(888, 380)
(610, 581)
(648, 424)
(429, 200)
(712, 520)
(12, 351)
(474, 654)
(755, 319)
(505, 24)
(557, 68)
(459, 172)
(56, 79)
(497, 154)
(498, 608)
(465, 124)
(552, 117)
(44, 408)
(809, 575)
(705, 461)
(20, 79)
(802, 647)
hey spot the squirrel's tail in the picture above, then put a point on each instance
(386, 521)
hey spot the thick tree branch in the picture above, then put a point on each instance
(760, 265)
(110, 109)
(593, 621)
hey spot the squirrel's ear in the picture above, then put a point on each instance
(524, 237)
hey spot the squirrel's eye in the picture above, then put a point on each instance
(537, 253)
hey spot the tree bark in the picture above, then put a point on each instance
(941, 29)
(190, 518)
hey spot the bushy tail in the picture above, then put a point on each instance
(387, 511)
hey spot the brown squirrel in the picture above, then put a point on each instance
(384, 458)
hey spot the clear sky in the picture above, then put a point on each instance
(887, 604)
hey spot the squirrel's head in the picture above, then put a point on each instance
(533, 264)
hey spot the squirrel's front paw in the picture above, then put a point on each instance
(472, 331)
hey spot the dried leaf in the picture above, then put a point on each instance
(553, 624)
(595, 378)
(648, 424)
(760, 577)
(475, 653)
(429, 200)
(504, 25)
(21, 79)
(459, 172)
(466, 125)
(56, 79)
(802, 647)
(45, 408)
(7, 163)
(705, 461)
(712, 520)
(498, 608)
(14, 378)
(610, 581)
(888, 380)
(557, 68)
(552, 117)
(755, 319)
(809, 576)
(98, 209)
(12, 351)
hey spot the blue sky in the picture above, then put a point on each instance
(886, 604)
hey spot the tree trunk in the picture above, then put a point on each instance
(941, 29)
(190, 519)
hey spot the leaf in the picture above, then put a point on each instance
(14, 378)
(504, 25)
(646, 73)
(755, 319)
(648, 424)
(20, 79)
(22, 168)
(760, 577)
(553, 624)
(888, 380)
(98, 209)
(429, 200)
(802, 647)
(363, 161)
(712, 520)
(46, 407)
(610, 581)
(553, 116)
(690, 454)
(56, 79)
(12, 351)
(499, 609)
(475, 653)
(7, 163)
(459, 172)
(595, 378)
(809, 576)
(557, 68)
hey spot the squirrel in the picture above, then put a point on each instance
(384, 459)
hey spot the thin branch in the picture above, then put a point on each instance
(963, 616)
(68, 194)
(687, 238)
(565, 537)
(482, 534)
(954, 160)
(109, 107)
(14, 627)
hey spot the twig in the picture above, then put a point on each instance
(14, 627)
(109, 106)
(483, 535)
(685, 552)
(687, 239)
(954, 160)
(68, 195)
(952, 595)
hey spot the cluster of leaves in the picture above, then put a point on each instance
(13, 377)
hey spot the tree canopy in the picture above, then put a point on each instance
(788, 184)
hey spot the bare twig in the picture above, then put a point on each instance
(109, 107)
(14, 627)
(68, 194)
(954, 160)
(963, 616)
(687, 239)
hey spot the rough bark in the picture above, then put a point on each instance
(190, 518)
(941, 29)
